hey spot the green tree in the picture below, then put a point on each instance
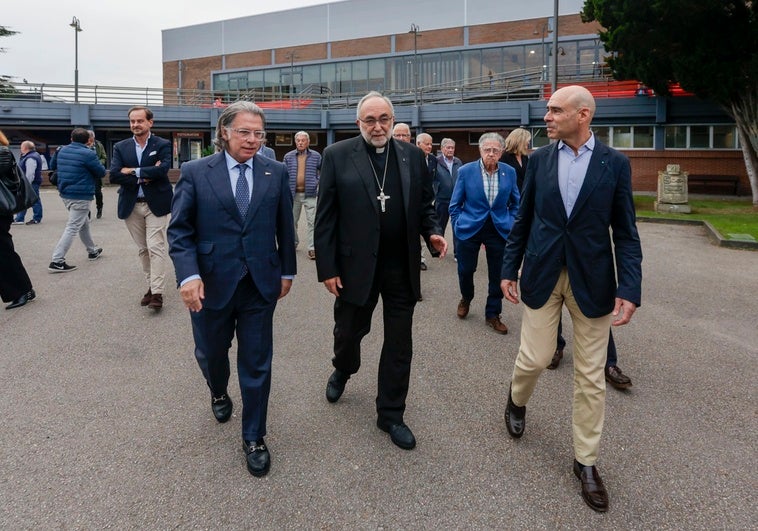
(707, 46)
(5, 81)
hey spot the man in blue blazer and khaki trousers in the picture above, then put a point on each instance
(140, 165)
(232, 240)
(575, 190)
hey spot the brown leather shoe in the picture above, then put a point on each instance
(146, 298)
(616, 378)
(156, 302)
(497, 324)
(312, 254)
(463, 308)
(593, 490)
(557, 357)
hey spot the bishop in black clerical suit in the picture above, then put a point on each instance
(375, 200)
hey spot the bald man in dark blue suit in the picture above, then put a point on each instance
(577, 236)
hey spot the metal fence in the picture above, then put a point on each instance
(527, 84)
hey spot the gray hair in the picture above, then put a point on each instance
(28, 144)
(446, 141)
(372, 94)
(302, 133)
(423, 136)
(228, 116)
(91, 133)
(492, 136)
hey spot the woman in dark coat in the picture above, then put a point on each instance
(15, 285)
(515, 154)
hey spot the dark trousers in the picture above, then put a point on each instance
(36, 207)
(99, 194)
(467, 254)
(612, 358)
(14, 281)
(251, 317)
(443, 212)
(352, 323)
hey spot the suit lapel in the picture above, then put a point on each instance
(554, 191)
(405, 171)
(595, 171)
(262, 178)
(217, 178)
(362, 164)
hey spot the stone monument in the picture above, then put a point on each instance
(672, 191)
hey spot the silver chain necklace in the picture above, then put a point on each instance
(381, 197)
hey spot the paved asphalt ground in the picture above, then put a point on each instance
(107, 421)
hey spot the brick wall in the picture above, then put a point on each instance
(646, 165)
(358, 47)
(248, 59)
(430, 39)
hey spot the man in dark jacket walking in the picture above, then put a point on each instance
(77, 168)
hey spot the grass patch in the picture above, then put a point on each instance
(728, 216)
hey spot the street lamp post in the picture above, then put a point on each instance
(415, 29)
(554, 80)
(77, 28)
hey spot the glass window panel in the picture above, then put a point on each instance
(492, 63)
(472, 63)
(343, 72)
(539, 137)
(643, 136)
(221, 82)
(376, 69)
(724, 136)
(255, 79)
(311, 76)
(513, 59)
(360, 76)
(329, 76)
(676, 136)
(602, 134)
(622, 136)
(700, 136)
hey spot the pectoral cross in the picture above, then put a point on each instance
(382, 198)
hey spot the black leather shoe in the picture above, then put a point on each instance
(515, 418)
(557, 357)
(23, 299)
(400, 434)
(335, 386)
(593, 490)
(257, 457)
(222, 407)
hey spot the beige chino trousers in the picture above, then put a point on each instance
(539, 330)
(149, 233)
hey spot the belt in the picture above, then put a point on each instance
(141, 200)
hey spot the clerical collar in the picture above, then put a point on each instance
(378, 150)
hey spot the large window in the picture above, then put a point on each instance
(701, 137)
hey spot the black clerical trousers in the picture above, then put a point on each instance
(353, 322)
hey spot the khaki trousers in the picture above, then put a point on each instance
(149, 233)
(539, 330)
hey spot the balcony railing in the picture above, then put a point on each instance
(526, 84)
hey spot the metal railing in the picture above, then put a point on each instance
(526, 84)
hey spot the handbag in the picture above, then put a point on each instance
(16, 193)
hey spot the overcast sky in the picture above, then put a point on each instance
(120, 44)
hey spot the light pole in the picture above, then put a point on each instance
(292, 55)
(554, 80)
(415, 29)
(77, 28)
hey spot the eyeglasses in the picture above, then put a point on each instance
(371, 121)
(491, 150)
(246, 133)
